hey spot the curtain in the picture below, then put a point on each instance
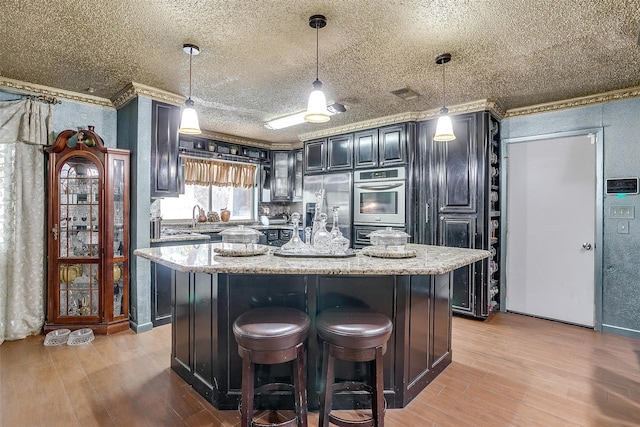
(25, 127)
(222, 174)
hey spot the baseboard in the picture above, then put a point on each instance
(621, 331)
(138, 329)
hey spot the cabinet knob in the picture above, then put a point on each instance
(587, 246)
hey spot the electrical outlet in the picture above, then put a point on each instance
(622, 212)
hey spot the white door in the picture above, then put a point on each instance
(551, 203)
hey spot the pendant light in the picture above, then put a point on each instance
(444, 127)
(189, 124)
(317, 106)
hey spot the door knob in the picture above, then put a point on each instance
(587, 246)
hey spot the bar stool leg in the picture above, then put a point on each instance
(248, 372)
(327, 390)
(300, 387)
(377, 397)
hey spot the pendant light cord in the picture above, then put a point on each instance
(444, 88)
(317, 54)
(190, 59)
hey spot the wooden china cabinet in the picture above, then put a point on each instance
(88, 234)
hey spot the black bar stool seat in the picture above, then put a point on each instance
(357, 335)
(272, 335)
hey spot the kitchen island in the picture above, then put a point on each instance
(210, 291)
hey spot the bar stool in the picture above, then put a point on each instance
(272, 335)
(357, 335)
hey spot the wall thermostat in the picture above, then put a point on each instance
(622, 185)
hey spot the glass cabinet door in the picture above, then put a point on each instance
(119, 246)
(78, 224)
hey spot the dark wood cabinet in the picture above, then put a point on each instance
(392, 145)
(205, 354)
(87, 234)
(382, 147)
(366, 148)
(162, 281)
(340, 152)
(166, 170)
(331, 154)
(315, 159)
(286, 176)
(454, 204)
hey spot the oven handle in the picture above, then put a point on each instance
(379, 187)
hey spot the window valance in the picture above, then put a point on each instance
(222, 174)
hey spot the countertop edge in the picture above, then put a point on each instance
(431, 260)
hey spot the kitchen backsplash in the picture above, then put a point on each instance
(276, 208)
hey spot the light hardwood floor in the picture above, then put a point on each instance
(508, 371)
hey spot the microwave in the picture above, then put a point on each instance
(379, 197)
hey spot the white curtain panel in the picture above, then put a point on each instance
(25, 127)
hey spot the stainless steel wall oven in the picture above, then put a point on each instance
(379, 197)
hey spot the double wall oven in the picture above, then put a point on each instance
(379, 200)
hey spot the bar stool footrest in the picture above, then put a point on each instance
(271, 387)
(353, 386)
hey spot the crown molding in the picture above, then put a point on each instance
(134, 89)
(232, 139)
(583, 101)
(19, 87)
(491, 105)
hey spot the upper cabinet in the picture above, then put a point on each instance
(165, 167)
(340, 152)
(381, 147)
(334, 153)
(286, 178)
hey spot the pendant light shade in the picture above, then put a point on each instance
(444, 127)
(317, 106)
(189, 124)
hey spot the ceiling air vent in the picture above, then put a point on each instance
(405, 93)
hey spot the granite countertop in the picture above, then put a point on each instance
(181, 237)
(202, 258)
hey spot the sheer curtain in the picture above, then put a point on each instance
(25, 127)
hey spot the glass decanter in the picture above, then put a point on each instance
(322, 238)
(339, 243)
(295, 244)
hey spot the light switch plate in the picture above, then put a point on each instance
(622, 212)
(623, 227)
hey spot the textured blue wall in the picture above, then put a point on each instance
(621, 123)
(134, 134)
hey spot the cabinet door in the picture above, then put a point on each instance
(280, 176)
(161, 282)
(315, 156)
(366, 148)
(457, 165)
(392, 145)
(340, 152)
(459, 231)
(165, 120)
(296, 187)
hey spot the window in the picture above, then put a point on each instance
(241, 201)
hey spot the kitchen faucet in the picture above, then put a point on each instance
(194, 218)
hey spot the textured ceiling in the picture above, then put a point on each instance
(258, 58)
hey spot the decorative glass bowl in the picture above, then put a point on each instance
(240, 234)
(81, 336)
(389, 238)
(57, 337)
